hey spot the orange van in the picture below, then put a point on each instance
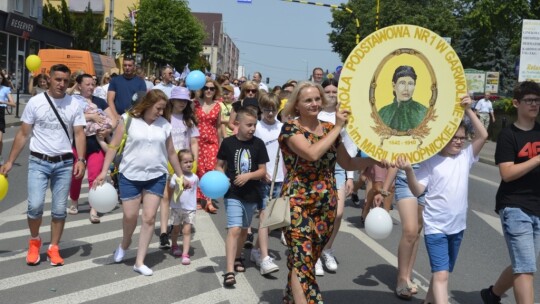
(90, 63)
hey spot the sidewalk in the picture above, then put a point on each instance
(487, 155)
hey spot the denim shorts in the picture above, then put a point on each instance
(40, 172)
(265, 193)
(522, 234)
(339, 175)
(239, 214)
(132, 189)
(402, 191)
(443, 250)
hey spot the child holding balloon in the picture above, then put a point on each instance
(244, 156)
(445, 178)
(183, 205)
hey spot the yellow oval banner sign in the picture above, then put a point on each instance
(403, 85)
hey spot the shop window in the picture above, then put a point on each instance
(3, 51)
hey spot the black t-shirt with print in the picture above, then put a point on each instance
(518, 146)
(243, 157)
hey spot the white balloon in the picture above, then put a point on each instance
(104, 198)
(378, 223)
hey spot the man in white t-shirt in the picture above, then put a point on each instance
(51, 158)
(166, 84)
(484, 109)
(257, 77)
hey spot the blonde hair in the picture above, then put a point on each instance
(290, 107)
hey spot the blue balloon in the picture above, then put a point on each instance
(214, 184)
(195, 80)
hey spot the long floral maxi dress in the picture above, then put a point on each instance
(313, 204)
(208, 140)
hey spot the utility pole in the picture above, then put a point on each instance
(111, 28)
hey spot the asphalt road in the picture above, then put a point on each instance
(366, 274)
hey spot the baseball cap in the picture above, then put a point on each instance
(228, 87)
(180, 93)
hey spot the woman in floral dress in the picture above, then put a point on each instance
(208, 112)
(314, 146)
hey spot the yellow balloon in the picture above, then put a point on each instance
(4, 186)
(33, 63)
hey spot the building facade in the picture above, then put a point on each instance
(218, 48)
(21, 35)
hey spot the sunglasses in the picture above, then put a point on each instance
(252, 91)
(205, 88)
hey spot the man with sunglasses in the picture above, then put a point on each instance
(166, 84)
(123, 89)
(518, 197)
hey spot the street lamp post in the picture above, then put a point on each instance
(307, 68)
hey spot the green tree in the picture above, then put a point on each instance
(89, 31)
(60, 19)
(167, 33)
(437, 15)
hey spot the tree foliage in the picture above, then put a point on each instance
(87, 28)
(485, 33)
(167, 33)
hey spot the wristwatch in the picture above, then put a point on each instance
(82, 159)
(384, 193)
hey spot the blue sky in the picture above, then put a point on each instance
(279, 39)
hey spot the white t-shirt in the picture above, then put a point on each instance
(166, 88)
(48, 136)
(145, 153)
(349, 145)
(188, 198)
(447, 183)
(269, 135)
(100, 92)
(181, 134)
(484, 106)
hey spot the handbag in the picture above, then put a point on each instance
(278, 211)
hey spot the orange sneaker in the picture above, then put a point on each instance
(53, 255)
(32, 257)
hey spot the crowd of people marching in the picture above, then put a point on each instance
(291, 137)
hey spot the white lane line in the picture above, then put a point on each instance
(69, 225)
(138, 281)
(493, 221)
(483, 180)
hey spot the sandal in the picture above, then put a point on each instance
(94, 219)
(239, 265)
(413, 287)
(404, 292)
(210, 208)
(229, 279)
(72, 210)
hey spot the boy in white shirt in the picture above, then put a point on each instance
(268, 130)
(446, 178)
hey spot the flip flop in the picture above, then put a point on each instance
(94, 219)
(72, 210)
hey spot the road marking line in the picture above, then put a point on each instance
(493, 221)
(483, 180)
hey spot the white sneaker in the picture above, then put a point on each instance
(255, 256)
(329, 259)
(283, 240)
(319, 271)
(119, 254)
(144, 270)
(268, 266)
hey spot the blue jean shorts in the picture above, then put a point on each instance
(403, 191)
(340, 176)
(265, 193)
(132, 189)
(40, 172)
(239, 214)
(522, 234)
(443, 250)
